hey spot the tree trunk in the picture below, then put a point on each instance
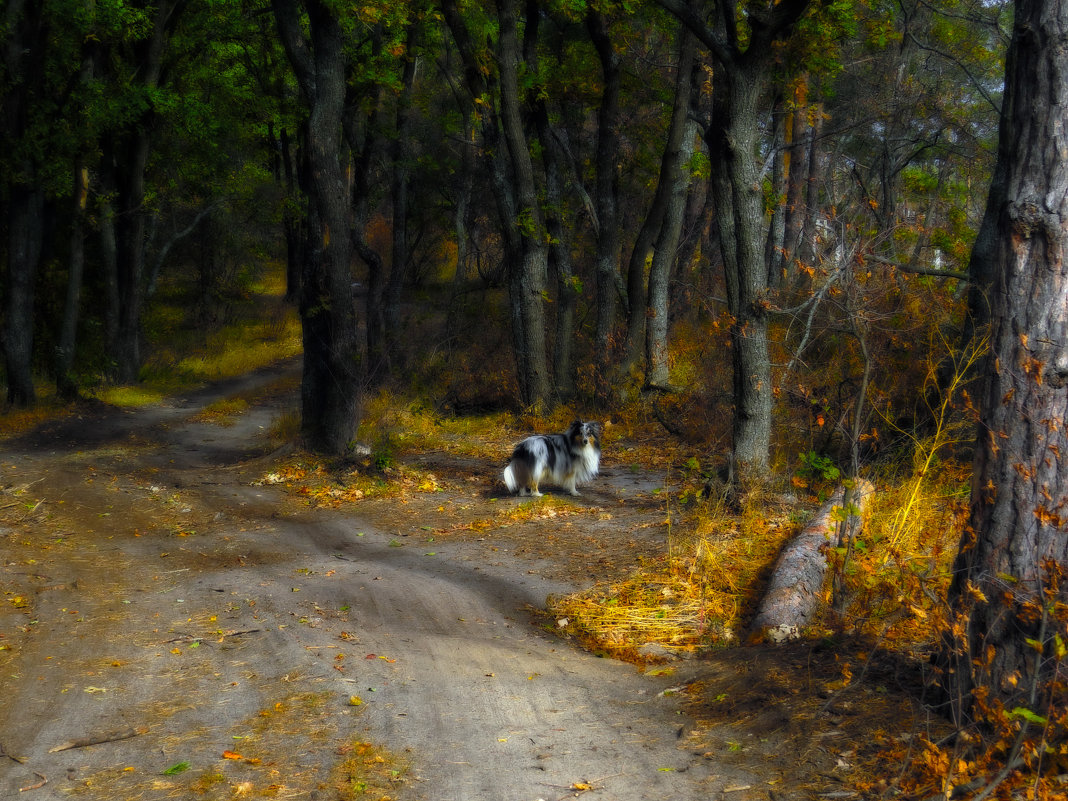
(66, 387)
(773, 247)
(740, 80)
(330, 386)
(675, 176)
(1003, 644)
(292, 219)
(796, 179)
(25, 239)
(515, 193)
(606, 203)
(400, 157)
(528, 276)
(736, 188)
(24, 75)
(559, 236)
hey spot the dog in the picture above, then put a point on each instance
(566, 459)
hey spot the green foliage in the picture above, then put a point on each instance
(818, 467)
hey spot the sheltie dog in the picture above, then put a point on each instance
(565, 459)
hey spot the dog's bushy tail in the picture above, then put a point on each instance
(510, 479)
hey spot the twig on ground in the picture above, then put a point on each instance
(36, 786)
(96, 739)
(194, 638)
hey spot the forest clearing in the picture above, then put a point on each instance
(284, 282)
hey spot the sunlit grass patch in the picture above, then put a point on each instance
(133, 396)
(222, 412)
(312, 479)
(697, 596)
(896, 581)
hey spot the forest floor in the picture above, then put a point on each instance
(174, 625)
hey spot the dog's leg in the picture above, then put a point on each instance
(534, 489)
(571, 484)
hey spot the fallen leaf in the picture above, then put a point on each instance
(231, 755)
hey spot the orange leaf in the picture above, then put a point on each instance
(232, 755)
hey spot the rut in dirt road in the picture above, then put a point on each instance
(279, 637)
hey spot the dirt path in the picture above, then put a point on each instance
(151, 589)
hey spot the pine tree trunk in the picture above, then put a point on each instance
(1003, 643)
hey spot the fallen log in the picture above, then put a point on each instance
(796, 588)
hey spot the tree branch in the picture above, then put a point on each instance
(719, 49)
(908, 268)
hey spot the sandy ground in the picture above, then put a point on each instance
(225, 641)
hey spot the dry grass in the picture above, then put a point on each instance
(697, 597)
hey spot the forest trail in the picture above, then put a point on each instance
(155, 587)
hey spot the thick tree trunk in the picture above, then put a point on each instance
(739, 207)
(330, 387)
(1003, 643)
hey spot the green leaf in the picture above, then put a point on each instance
(176, 768)
(1028, 715)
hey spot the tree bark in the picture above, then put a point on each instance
(330, 386)
(606, 203)
(1001, 646)
(796, 589)
(675, 176)
(516, 194)
(23, 65)
(66, 386)
(735, 185)
(567, 293)
(743, 70)
(25, 240)
(528, 279)
(400, 156)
